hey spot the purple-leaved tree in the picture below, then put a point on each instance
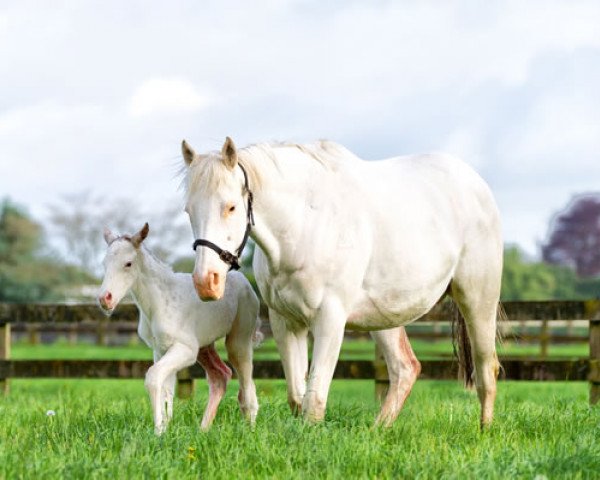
(574, 236)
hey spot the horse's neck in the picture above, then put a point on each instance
(290, 188)
(151, 284)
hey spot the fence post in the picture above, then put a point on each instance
(185, 384)
(72, 334)
(101, 335)
(4, 354)
(544, 339)
(382, 379)
(33, 334)
(593, 307)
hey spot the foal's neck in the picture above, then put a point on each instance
(152, 283)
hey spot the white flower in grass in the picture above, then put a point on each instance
(50, 413)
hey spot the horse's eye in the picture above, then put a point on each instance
(232, 209)
(128, 264)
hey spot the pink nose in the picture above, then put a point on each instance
(106, 300)
(210, 287)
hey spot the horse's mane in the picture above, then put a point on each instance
(208, 169)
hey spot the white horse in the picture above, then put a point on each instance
(180, 328)
(349, 243)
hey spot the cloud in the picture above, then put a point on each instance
(465, 143)
(158, 96)
(511, 87)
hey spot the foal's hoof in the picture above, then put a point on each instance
(485, 426)
(382, 422)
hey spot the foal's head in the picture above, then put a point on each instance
(216, 202)
(120, 267)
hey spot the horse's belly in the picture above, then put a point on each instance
(393, 308)
(369, 317)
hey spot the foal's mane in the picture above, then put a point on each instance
(209, 170)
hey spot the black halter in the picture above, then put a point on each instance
(225, 255)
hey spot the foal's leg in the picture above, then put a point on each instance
(239, 351)
(328, 333)
(177, 357)
(217, 374)
(293, 351)
(170, 384)
(403, 370)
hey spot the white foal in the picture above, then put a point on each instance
(180, 328)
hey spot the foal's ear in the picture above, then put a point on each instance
(229, 153)
(139, 237)
(188, 153)
(109, 237)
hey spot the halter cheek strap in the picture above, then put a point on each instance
(233, 260)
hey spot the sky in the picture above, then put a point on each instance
(96, 96)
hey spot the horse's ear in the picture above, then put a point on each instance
(109, 237)
(229, 153)
(139, 237)
(188, 153)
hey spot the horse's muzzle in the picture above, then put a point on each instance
(210, 287)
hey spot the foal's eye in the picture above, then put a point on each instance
(128, 264)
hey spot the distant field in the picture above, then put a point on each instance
(102, 429)
(351, 349)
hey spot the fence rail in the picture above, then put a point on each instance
(51, 316)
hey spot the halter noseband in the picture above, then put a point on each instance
(225, 255)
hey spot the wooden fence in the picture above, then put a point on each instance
(69, 318)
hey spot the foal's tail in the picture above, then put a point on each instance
(257, 336)
(462, 346)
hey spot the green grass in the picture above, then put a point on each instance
(103, 429)
(351, 349)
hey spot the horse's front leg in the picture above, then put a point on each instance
(293, 351)
(328, 333)
(177, 357)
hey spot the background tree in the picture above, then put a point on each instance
(28, 271)
(78, 221)
(524, 279)
(574, 236)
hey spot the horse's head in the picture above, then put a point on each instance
(216, 202)
(120, 267)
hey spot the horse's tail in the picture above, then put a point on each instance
(462, 346)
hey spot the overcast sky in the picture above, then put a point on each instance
(96, 96)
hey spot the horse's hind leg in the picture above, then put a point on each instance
(403, 370)
(476, 290)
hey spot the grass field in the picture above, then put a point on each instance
(103, 429)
